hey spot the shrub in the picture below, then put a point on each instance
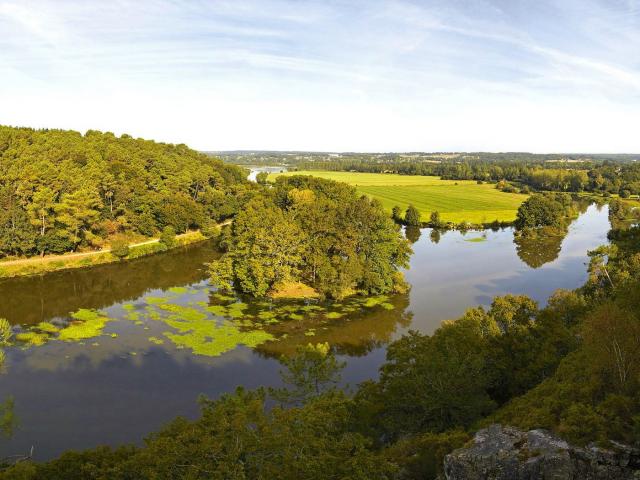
(120, 248)
(168, 237)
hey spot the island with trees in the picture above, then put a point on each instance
(312, 237)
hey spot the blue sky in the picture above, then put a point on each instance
(450, 75)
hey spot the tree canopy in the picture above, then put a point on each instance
(61, 190)
(314, 231)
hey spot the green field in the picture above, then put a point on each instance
(457, 201)
(377, 179)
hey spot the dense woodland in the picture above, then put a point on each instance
(316, 232)
(572, 367)
(61, 191)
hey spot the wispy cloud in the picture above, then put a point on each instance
(360, 75)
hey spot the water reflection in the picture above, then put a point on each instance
(355, 335)
(535, 252)
(30, 300)
(458, 271)
(412, 233)
(120, 386)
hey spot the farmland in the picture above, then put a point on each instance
(457, 201)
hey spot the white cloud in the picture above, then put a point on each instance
(376, 75)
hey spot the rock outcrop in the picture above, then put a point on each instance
(506, 453)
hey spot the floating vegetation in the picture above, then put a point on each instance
(219, 310)
(235, 310)
(179, 290)
(88, 324)
(32, 338)
(205, 336)
(155, 300)
(374, 301)
(208, 328)
(223, 298)
(266, 315)
(47, 327)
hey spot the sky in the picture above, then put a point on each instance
(371, 75)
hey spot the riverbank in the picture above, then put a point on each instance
(55, 263)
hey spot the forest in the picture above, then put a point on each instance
(571, 367)
(62, 191)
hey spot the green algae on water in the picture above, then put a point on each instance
(155, 300)
(32, 338)
(178, 290)
(88, 324)
(47, 327)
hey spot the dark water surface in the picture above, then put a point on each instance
(163, 336)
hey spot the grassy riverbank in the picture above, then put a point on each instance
(457, 201)
(53, 263)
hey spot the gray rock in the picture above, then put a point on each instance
(506, 453)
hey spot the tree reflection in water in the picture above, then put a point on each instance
(7, 418)
(539, 250)
(412, 233)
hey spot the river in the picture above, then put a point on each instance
(152, 352)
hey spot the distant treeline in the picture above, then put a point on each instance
(61, 190)
(613, 174)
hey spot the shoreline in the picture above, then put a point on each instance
(55, 263)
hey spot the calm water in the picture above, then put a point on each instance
(135, 376)
(254, 171)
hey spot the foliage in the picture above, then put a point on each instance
(261, 178)
(120, 248)
(435, 220)
(316, 232)
(60, 190)
(540, 211)
(6, 332)
(168, 237)
(396, 214)
(422, 456)
(412, 216)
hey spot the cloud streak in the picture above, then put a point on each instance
(329, 75)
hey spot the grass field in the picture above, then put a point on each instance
(377, 179)
(457, 201)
